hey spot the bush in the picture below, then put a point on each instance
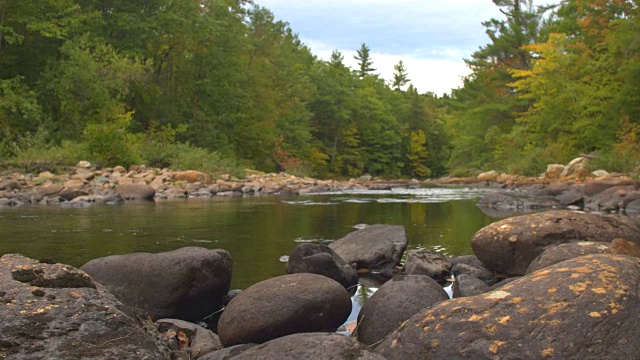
(189, 157)
(110, 143)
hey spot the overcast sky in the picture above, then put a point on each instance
(431, 37)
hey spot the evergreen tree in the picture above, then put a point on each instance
(400, 76)
(364, 61)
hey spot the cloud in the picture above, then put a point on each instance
(438, 76)
(431, 37)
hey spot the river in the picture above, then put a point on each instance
(258, 231)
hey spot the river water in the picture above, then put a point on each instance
(258, 231)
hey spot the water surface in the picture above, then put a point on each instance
(258, 231)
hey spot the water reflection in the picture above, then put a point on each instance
(257, 231)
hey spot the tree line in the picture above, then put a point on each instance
(221, 84)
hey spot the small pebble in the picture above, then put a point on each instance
(38, 292)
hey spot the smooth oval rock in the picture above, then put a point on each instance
(282, 306)
(377, 247)
(396, 301)
(316, 346)
(320, 259)
(510, 245)
(582, 308)
(188, 283)
(555, 254)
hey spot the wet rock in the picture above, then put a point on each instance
(581, 308)
(194, 339)
(189, 283)
(555, 254)
(428, 262)
(512, 200)
(573, 196)
(320, 259)
(56, 322)
(284, 305)
(467, 285)
(396, 301)
(377, 247)
(510, 245)
(467, 259)
(478, 272)
(317, 346)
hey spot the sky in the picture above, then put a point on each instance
(431, 37)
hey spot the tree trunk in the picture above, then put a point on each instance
(3, 5)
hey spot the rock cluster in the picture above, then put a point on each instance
(556, 285)
(85, 185)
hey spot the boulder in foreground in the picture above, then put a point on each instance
(510, 245)
(583, 308)
(188, 283)
(282, 306)
(54, 311)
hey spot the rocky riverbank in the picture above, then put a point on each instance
(85, 185)
(558, 285)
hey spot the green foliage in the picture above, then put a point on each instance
(364, 61)
(110, 143)
(194, 158)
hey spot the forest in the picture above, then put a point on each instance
(221, 85)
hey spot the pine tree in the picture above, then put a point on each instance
(400, 76)
(364, 61)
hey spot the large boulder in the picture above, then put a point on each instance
(188, 284)
(396, 301)
(583, 308)
(555, 254)
(509, 246)
(376, 247)
(138, 191)
(284, 305)
(54, 311)
(320, 259)
(428, 262)
(317, 346)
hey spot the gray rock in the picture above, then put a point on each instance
(583, 308)
(428, 262)
(481, 273)
(396, 301)
(188, 284)
(228, 352)
(317, 346)
(43, 319)
(137, 191)
(555, 254)
(284, 305)
(320, 259)
(510, 245)
(376, 247)
(201, 341)
(10, 184)
(467, 285)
